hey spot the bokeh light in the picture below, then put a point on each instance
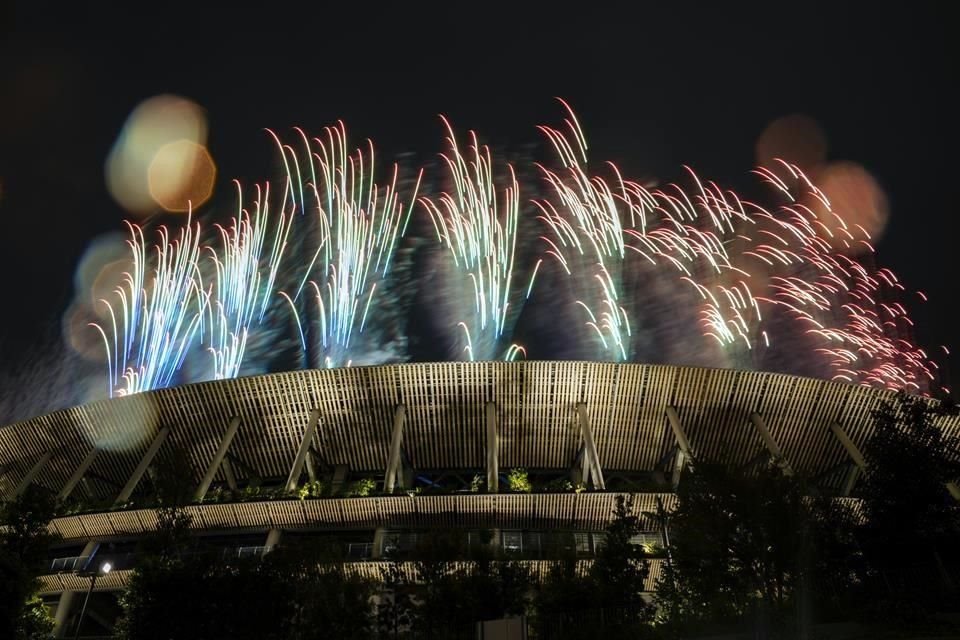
(857, 198)
(795, 138)
(82, 338)
(153, 161)
(181, 176)
(100, 271)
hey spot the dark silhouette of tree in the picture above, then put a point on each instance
(576, 603)
(396, 606)
(563, 597)
(451, 596)
(754, 550)
(292, 592)
(910, 534)
(23, 552)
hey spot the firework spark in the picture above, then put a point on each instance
(760, 274)
(358, 227)
(246, 273)
(156, 313)
(481, 238)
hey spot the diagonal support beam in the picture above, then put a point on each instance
(134, 480)
(32, 473)
(78, 474)
(954, 490)
(305, 443)
(684, 452)
(577, 468)
(770, 443)
(228, 474)
(848, 444)
(859, 464)
(592, 461)
(273, 539)
(493, 463)
(396, 440)
(218, 458)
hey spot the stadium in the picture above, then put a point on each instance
(370, 456)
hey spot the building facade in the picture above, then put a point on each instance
(527, 456)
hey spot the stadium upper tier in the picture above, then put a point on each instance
(486, 416)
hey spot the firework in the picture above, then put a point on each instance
(585, 234)
(481, 239)
(156, 313)
(246, 271)
(358, 227)
(794, 272)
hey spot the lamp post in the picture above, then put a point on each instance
(104, 569)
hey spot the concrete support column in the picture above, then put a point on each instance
(134, 480)
(305, 443)
(396, 440)
(78, 474)
(495, 541)
(770, 443)
(32, 473)
(339, 478)
(378, 538)
(954, 490)
(228, 474)
(684, 452)
(493, 463)
(217, 459)
(89, 551)
(88, 486)
(853, 473)
(62, 614)
(590, 452)
(273, 539)
(858, 463)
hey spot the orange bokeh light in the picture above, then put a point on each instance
(856, 197)
(181, 176)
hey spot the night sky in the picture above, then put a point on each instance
(654, 88)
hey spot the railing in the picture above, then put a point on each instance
(69, 563)
(245, 552)
(359, 550)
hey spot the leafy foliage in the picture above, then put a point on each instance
(909, 459)
(23, 548)
(361, 488)
(296, 592)
(572, 603)
(518, 481)
(747, 549)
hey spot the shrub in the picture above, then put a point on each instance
(361, 488)
(519, 481)
(312, 489)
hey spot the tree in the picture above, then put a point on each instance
(23, 552)
(911, 521)
(609, 596)
(396, 606)
(620, 567)
(450, 596)
(753, 549)
(909, 461)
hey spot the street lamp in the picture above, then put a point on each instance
(104, 569)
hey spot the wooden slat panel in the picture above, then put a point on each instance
(536, 411)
